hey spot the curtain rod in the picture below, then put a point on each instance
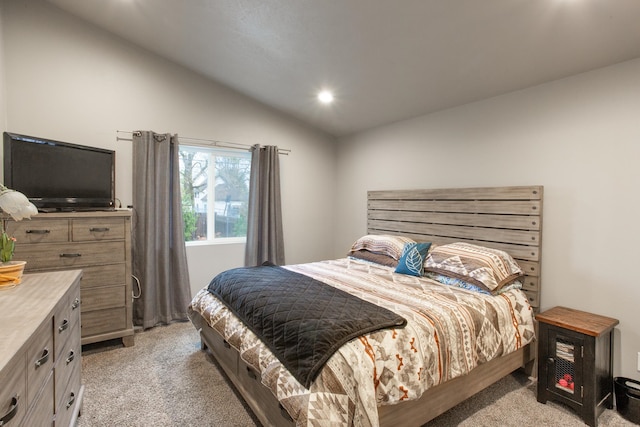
(206, 142)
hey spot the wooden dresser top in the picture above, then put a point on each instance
(24, 307)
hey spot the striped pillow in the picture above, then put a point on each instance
(382, 244)
(373, 257)
(488, 268)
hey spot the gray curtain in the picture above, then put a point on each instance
(159, 253)
(265, 241)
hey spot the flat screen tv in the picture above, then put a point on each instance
(58, 175)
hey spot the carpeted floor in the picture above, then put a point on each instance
(166, 380)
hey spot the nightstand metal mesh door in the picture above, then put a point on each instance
(564, 373)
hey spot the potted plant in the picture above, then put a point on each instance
(16, 205)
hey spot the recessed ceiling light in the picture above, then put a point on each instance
(325, 97)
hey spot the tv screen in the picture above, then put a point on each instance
(58, 175)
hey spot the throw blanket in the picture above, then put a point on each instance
(302, 320)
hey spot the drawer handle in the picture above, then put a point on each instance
(63, 326)
(72, 398)
(75, 304)
(13, 410)
(43, 359)
(72, 355)
(38, 231)
(251, 373)
(99, 229)
(65, 255)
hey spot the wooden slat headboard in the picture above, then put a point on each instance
(507, 218)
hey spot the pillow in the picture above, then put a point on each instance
(516, 284)
(412, 259)
(382, 244)
(485, 267)
(458, 283)
(373, 257)
(454, 281)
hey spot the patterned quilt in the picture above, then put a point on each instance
(449, 332)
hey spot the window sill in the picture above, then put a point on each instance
(220, 241)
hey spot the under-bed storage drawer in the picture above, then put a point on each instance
(249, 379)
(221, 349)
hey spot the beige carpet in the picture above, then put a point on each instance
(166, 380)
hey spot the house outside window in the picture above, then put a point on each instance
(215, 193)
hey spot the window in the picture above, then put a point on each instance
(215, 193)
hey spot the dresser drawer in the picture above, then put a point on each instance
(90, 230)
(70, 255)
(103, 321)
(68, 403)
(104, 297)
(41, 413)
(13, 393)
(65, 321)
(103, 275)
(67, 365)
(40, 358)
(39, 231)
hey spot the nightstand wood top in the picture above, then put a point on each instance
(579, 321)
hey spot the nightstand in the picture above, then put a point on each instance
(575, 361)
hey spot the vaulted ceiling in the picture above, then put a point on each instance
(384, 60)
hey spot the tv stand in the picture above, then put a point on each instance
(78, 209)
(47, 210)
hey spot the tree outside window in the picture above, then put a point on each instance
(218, 175)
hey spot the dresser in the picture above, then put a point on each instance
(99, 243)
(40, 356)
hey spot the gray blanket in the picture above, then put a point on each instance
(302, 320)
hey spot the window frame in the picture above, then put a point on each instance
(212, 152)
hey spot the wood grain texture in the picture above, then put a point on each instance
(99, 242)
(41, 293)
(579, 321)
(32, 362)
(505, 218)
(470, 193)
(439, 399)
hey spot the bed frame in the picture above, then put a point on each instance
(507, 218)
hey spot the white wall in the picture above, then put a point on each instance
(69, 81)
(3, 97)
(579, 137)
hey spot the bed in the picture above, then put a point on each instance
(383, 390)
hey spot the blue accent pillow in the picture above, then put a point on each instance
(412, 258)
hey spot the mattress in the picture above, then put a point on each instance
(449, 332)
